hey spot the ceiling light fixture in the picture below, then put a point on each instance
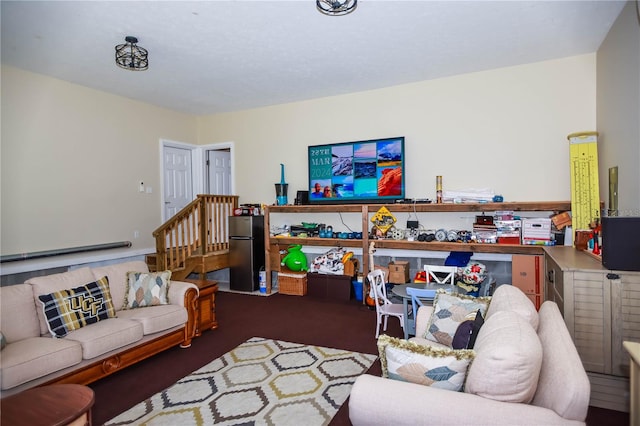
(132, 57)
(336, 7)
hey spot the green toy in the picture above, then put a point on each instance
(295, 259)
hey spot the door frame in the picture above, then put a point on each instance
(216, 147)
(198, 167)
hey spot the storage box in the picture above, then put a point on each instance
(537, 229)
(561, 220)
(399, 272)
(509, 231)
(384, 269)
(527, 274)
(351, 267)
(509, 240)
(326, 286)
(292, 283)
(504, 225)
(357, 289)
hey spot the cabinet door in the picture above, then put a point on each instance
(317, 285)
(591, 319)
(625, 317)
(554, 284)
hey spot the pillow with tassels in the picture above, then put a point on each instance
(424, 365)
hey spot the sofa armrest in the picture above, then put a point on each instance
(186, 294)
(422, 320)
(378, 401)
(178, 290)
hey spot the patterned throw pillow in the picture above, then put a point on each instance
(68, 310)
(449, 311)
(146, 289)
(424, 365)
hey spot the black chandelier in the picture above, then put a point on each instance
(336, 7)
(132, 57)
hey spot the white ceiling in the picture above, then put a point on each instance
(208, 57)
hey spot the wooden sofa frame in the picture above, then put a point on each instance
(118, 360)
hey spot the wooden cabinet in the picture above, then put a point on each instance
(275, 244)
(601, 309)
(206, 305)
(323, 286)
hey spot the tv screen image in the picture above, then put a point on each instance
(356, 172)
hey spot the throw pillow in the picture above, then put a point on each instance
(510, 298)
(477, 324)
(3, 341)
(508, 360)
(147, 289)
(462, 336)
(425, 365)
(449, 310)
(467, 332)
(68, 310)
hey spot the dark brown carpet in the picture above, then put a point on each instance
(345, 325)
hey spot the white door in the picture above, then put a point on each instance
(178, 186)
(219, 170)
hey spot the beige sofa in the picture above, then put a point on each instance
(32, 357)
(526, 371)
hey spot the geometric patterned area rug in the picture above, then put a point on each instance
(260, 382)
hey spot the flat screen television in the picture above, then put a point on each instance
(369, 171)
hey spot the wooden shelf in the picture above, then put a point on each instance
(346, 208)
(472, 247)
(365, 210)
(314, 241)
(411, 245)
(528, 206)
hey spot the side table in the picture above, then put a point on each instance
(53, 405)
(206, 305)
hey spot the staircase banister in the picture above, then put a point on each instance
(199, 229)
(185, 211)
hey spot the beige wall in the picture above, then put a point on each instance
(618, 102)
(72, 158)
(503, 129)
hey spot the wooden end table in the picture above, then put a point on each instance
(206, 305)
(53, 405)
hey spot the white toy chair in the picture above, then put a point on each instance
(433, 270)
(384, 307)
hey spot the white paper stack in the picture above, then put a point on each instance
(483, 195)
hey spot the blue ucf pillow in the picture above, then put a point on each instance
(69, 310)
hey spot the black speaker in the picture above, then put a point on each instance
(302, 198)
(621, 243)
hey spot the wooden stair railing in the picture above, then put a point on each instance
(198, 231)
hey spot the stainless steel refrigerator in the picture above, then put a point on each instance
(246, 252)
